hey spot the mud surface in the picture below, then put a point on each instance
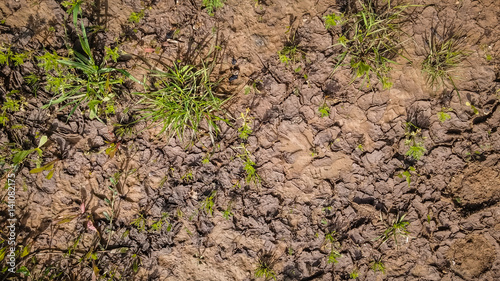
(319, 175)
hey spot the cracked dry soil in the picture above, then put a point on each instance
(320, 175)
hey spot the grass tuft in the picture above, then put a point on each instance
(183, 101)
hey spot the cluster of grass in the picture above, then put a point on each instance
(265, 266)
(444, 54)
(183, 97)
(370, 39)
(79, 79)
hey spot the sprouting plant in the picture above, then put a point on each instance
(473, 108)
(265, 266)
(360, 147)
(9, 57)
(136, 17)
(333, 19)
(183, 99)
(47, 167)
(378, 265)
(249, 166)
(324, 110)
(21, 155)
(10, 105)
(245, 130)
(187, 177)
(370, 40)
(331, 240)
(212, 5)
(396, 228)
(414, 141)
(443, 114)
(110, 202)
(160, 222)
(208, 204)
(79, 79)
(291, 52)
(407, 174)
(354, 274)
(444, 54)
(140, 223)
(227, 212)
(112, 54)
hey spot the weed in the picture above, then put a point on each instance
(227, 212)
(47, 167)
(330, 238)
(407, 174)
(249, 166)
(354, 274)
(396, 228)
(245, 130)
(185, 98)
(21, 155)
(155, 226)
(443, 114)
(80, 79)
(265, 266)
(370, 39)
(136, 17)
(378, 265)
(140, 223)
(10, 106)
(473, 108)
(212, 5)
(414, 141)
(11, 58)
(324, 110)
(252, 88)
(291, 52)
(187, 177)
(208, 204)
(445, 53)
(333, 20)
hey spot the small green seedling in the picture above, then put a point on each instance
(10, 105)
(249, 166)
(208, 204)
(21, 155)
(443, 114)
(407, 174)
(395, 229)
(473, 108)
(212, 5)
(245, 130)
(47, 167)
(354, 274)
(227, 214)
(378, 265)
(334, 247)
(140, 223)
(414, 141)
(324, 110)
(333, 20)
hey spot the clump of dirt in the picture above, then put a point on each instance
(476, 186)
(471, 256)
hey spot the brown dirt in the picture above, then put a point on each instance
(319, 175)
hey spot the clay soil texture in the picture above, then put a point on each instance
(311, 173)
